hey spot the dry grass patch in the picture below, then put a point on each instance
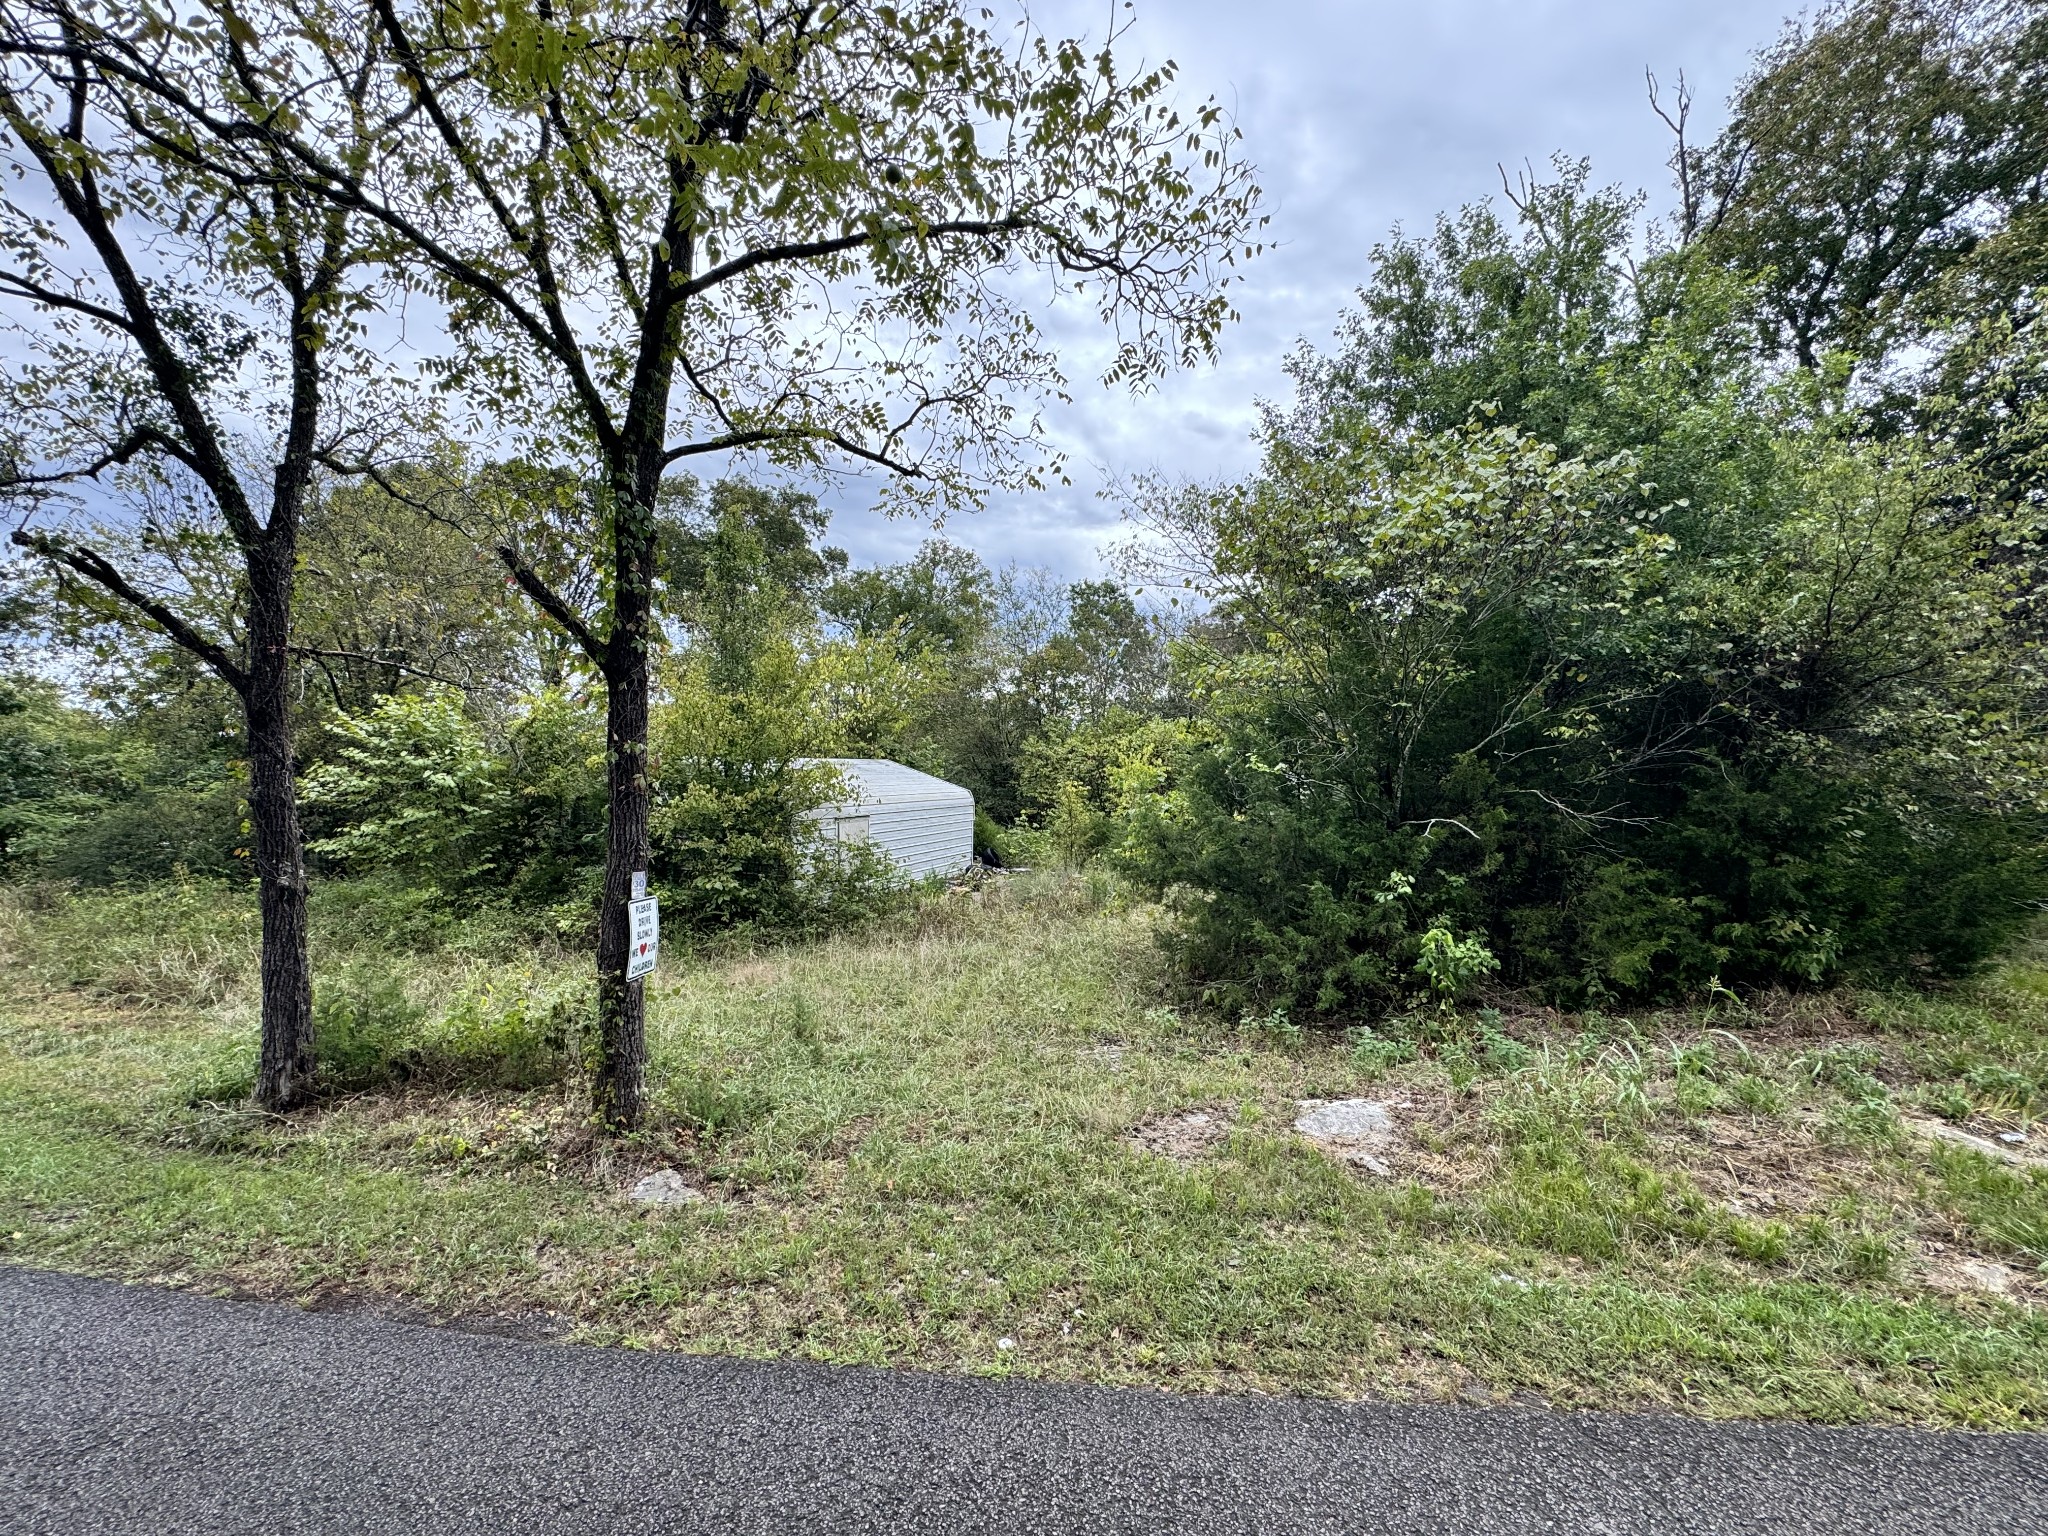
(1183, 1135)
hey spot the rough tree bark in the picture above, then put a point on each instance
(285, 1062)
(93, 105)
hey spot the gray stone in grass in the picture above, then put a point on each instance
(1355, 1130)
(664, 1186)
(1346, 1120)
(1989, 1276)
(1941, 1130)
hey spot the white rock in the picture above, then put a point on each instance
(664, 1186)
(1985, 1275)
(1359, 1131)
(1346, 1120)
(1006, 1343)
(2002, 1148)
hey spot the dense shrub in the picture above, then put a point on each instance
(734, 840)
(416, 786)
(1479, 687)
(86, 795)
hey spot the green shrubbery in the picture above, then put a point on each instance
(1710, 686)
(497, 1033)
(414, 786)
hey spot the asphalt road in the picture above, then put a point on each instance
(151, 1411)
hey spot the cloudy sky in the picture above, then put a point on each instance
(1360, 114)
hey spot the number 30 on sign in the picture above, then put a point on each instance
(643, 933)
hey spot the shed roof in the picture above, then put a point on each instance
(878, 781)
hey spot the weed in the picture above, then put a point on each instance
(1275, 1027)
(1375, 1055)
(365, 1029)
(714, 1106)
(803, 1028)
(1765, 1242)
(1451, 964)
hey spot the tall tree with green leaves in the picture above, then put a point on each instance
(1867, 153)
(817, 233)
(186, 308)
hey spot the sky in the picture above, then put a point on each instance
(1360, 115)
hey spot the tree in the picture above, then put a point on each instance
(940, 598)
(1517, 312)
(744, 541)
(667, 232)
(389, 599)
(1867, 153)
(183, 363)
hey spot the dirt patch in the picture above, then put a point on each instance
(1184, 1135)
(1445, 1143)
(529, 1324)
(1958, 1272)
(1764, 1169)
(1797, 1018)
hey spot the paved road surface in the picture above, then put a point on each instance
(132, 1410)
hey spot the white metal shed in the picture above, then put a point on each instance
(923, 823)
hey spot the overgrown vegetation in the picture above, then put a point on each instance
(1564, 615)
(919, 1142)
(1608, 728)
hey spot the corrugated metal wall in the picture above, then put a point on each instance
(923, 823)
(932, 839)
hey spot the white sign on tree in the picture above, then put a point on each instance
(643, 932)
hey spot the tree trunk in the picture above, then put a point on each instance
(619, 1091)
(284, 1071)
(618, 1095)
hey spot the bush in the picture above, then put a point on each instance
(416, 789)
(991, 842)
(365, 1030)
(412, 788)
(1684, 799)
(370, 1033)
(734, 841)
(105, 800)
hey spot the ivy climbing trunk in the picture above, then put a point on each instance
(619, 1088)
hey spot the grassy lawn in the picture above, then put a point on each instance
(963, 1141)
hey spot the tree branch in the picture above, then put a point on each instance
(120, 453)
(321, 652)
(96, 569)
(56, 299)
(808, 250)
(553, 606)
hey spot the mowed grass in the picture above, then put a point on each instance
(916, 1147)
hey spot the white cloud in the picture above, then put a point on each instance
(1360, 116)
